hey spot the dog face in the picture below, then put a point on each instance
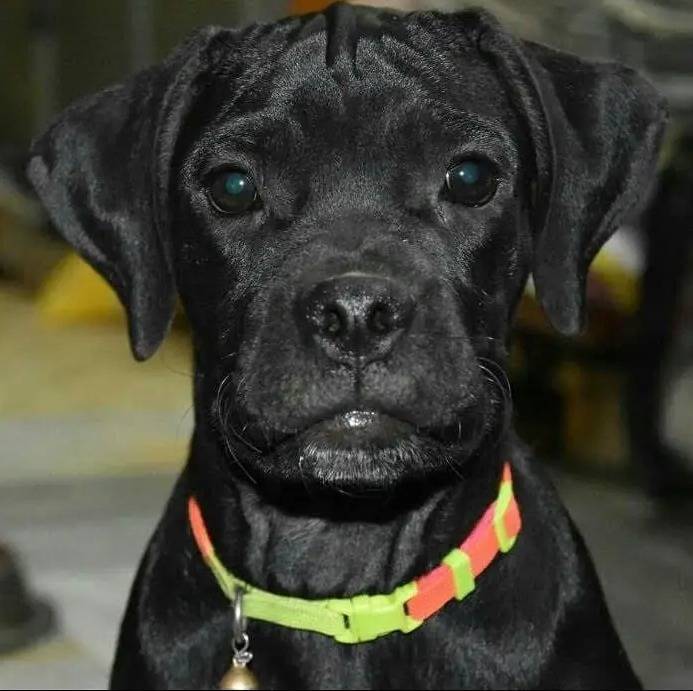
(369, 277)
(348, 206)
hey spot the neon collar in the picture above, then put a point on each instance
(367, 617)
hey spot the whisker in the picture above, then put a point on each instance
(504, 388)
(238, 461)
(164, 355)
(453, 467)
(499, 369)
(302, 474)
(347, 493)
(240, 437)
(223, 419)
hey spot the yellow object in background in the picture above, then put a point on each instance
(594, 429)
(74, 292)
(622, 283)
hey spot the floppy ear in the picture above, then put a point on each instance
(102, 172)
(596, 130)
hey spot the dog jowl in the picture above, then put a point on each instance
(348, 205)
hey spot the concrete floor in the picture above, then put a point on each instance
(89, 446)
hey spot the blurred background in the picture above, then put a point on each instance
(90, 442)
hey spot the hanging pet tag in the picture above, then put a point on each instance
(239, 676)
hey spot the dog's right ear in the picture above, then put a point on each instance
(102, 172)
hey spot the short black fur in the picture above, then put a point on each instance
(347, 122)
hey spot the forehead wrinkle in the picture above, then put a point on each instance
(277, 128)
(381, 56)
(467, 122)
(255, 135)
(304, 60)
(433, 81)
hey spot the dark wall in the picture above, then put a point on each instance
(82, 45)
(15, 87)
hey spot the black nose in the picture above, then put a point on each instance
(355, 318)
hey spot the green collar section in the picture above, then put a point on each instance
(367, 617)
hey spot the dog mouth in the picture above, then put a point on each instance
(358, 451)
(375, 428)
(356, 428)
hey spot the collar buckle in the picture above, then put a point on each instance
(367, 617)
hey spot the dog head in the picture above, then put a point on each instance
(349, 205)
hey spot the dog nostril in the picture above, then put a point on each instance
(354, 318)
(381, 319)
(333, 322)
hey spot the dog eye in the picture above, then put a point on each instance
(232, 192)
(471, 182)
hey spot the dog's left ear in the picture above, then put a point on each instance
(102, 172)
(596, 130)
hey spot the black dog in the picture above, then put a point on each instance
(349, 205)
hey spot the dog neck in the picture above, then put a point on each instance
(294, 545)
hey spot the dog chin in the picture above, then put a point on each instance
(361, 452)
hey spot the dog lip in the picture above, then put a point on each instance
(358, 424)
(356, 419)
